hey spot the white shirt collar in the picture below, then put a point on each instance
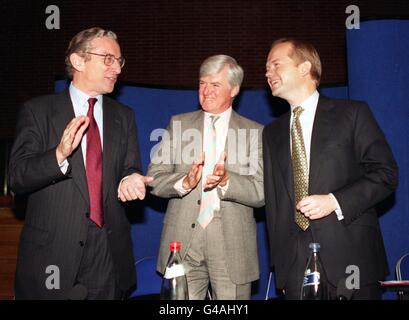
(309, 105)
(224, 116)
(80, 98)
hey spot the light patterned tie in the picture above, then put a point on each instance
(300, 169)
(208, 203)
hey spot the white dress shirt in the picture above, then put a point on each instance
(307, 122)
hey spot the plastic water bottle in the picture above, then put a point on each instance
(315, 282)
(174, 284)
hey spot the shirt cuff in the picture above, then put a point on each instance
(338, 210)
(179, 187)
(64, 166)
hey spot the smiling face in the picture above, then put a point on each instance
(283, 75)
(215, 92)
(92, 76)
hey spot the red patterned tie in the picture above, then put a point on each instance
(94, 167)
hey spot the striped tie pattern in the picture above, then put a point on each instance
(94, 167)
(209, 199)
(300, 169)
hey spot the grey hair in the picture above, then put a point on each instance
(81, 43)
(215, 64)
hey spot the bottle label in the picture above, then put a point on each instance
(174, 271)
(311, 278)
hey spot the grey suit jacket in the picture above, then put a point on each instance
(245, 191)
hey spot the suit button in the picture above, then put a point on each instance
(87, 214)
(81, 243)
(199, 202)
(193, 225)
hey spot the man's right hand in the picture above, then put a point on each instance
(71, 137)
(194, 175)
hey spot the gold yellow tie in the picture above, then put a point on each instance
(300, 169)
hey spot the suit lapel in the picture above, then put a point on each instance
(63, 114)
(197, 122)
(112, 135)
(237, 144)
(233, 125)
(321, 135)
(234, 121)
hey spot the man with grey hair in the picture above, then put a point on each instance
(75, 243)
(210, 210)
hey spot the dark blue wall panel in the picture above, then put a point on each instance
(378, 72)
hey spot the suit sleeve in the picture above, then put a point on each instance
(247, 188)
(31, 166)
(375, 157)
(162, 167)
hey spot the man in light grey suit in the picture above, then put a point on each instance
(209, 165)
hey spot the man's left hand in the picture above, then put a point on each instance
(317, 206)
(133, 187)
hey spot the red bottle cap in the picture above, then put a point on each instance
(175, 246)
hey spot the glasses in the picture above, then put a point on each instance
(109, 59)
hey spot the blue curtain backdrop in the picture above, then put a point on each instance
(378, 74)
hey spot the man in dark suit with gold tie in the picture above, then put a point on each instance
(326, 165)
(76, 155)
